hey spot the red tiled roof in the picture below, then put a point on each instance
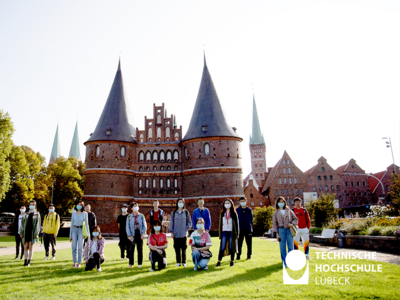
(308, 172)
(341, 169)
(373, 183)
(271, 176)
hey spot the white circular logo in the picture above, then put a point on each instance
(295, 260)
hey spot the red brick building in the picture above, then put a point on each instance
(125, 164)
(253, 194)
(379, 184)
(284, 179)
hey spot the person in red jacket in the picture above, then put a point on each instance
(304, 227)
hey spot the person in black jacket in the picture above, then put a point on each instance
(92, 220)
(17, 225)
(245, 215)
(156, 213)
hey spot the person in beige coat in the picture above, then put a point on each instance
(283, 219)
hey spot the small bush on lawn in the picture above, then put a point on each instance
(374, 230)
(333, 224)
(263, 219)
(316, 230)
(354, 226)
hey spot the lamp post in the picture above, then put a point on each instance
(389, 145)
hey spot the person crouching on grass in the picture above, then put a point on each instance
(200, 241)
(94, 250)
(157, 242)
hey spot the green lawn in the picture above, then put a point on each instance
(9, 241)
(260, 278)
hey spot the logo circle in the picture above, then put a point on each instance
(295, 260)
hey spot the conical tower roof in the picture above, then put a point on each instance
(74, 150)
(256, 135)
(208, 118)
(55, 151)
(115, 123)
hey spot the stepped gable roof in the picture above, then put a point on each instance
(115, 123)
(74, 150)
(55, 151)
(208, 118)
(256, 136)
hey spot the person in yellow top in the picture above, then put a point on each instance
(51, 225)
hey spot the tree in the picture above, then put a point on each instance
(395, 189)
(322, 210)
(263, 218)
(6, 132)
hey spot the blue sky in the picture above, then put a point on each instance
(326, 74)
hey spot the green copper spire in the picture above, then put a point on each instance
(55, 151)
(256, 136)
(74, 150)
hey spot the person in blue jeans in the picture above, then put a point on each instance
(75, 233)
(283, 219)
(200, 241)
(228, 231)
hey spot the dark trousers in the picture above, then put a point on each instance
(180, 245)
(94, 262)
(155, 257)
(18, 242)
(123, 246)
(226, 239)
(138, 242)
(49, 239)
(248, 236)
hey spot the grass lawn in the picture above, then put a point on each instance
(261, 277)
(9, 241)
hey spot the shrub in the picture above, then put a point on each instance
(354, 226)
(322, 210)
(387, 221)
(316, 230)
(333, 224)
(263, 218)
(389, 230)
(374, 230)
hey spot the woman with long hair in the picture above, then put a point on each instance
(79, 217)
(282, 220)
(157, 242)
(179, 225)
(228, 231)
(29, 231)
(94, 250)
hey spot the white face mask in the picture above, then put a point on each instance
(243, 203)
(200, 226)
(227, 206)
(124, 210)
(22, 210)
(180, 205)
(157, 228)
(136, 208)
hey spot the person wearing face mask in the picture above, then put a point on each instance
(51, 225)
(94, 250)
(179, 225)
(245, 215)
(92, 219)
(200, 241)
(123, 238)
(29, 231)
(202, 212)
(78, 220)
(136, 227)
(304, 227)
(282, 220)
(228, 231)
(157, 242)
(156, 213)
(17, 226)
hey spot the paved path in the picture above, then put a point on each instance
(380, 256)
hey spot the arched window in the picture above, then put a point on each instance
(185, 151)
(206, 148)
(150, 135)
(297, 192)
(284, 181)
(290, 171)
(319, 177)
(168, 183)
(284, 170)
(256, 165)
(148, 156)
(176, 155)
(284, 162)
(338, 187)
(291, 191)
(159, 119)
(325, 178)
(141, 138)
(161, 168)
(154, 183)
(140, 183)
(340, 198)
(332, 188)
(260, 203)
(301, 191)
(256, 175)
(154, 168)
(162, 156)
(314, 188)
(295, 180)
(276, 193)
(175, 167)
(147, 183)
(326, 188)
(140, 168)
(155, 156)
(167, 133)
(123, 151)
(169, 168)
(280, 180)
(161, 183)
(169, 155)
(141, 156)
(288, 162)
(159, 133)
(323, 169)
(281, 192)
(175, 182)
(320, 188)
(97, 151)
(176, 136)
(286, 192)
(290, 180)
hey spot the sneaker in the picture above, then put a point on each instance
(178, 265)
(195, 269)
(231, 264)
(122, 259)
(74, 265)
(46, 258)
(99, 269)
(309, 258)
(78, 265)
(26, 262)
(130, 266)
(139, 266)
(184, 265)
(218, 264)
(21, 258)
(53, 258)
(206, 268)
(151, 270)
(29, 263)
(238, 257)
(248, 257)
(16, 257)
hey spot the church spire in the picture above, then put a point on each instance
(208, 118)
(115, 123)
(55, 151)
(256, 136)
(74, 150)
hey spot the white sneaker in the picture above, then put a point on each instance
(184, 265)
(309, 258)
(53, 258)
(139, 266)
(46, 258)
(178, 265)
(122, 259)
(151, 270)
(99, 269)
(206, 268)
(195, 269)
(130, 266)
